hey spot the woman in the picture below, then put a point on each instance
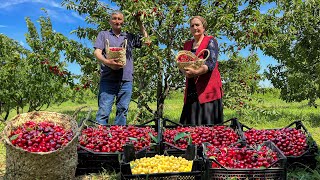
(203, 93)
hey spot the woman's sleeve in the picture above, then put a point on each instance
(213, 58)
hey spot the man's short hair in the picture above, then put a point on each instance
(116, 12)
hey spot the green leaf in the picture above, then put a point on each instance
(133, 166)
(189, 140)
(133, 139)
(14, 137)
(259, 147)
(180, 135)
(212, 157)
(153, 138)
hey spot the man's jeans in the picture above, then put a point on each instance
(109, 90)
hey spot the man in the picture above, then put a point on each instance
(116, 78)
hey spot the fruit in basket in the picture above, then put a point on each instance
(184, 58)
(160, 164)
(291, 141)
(115, 49)
(40, 137)
(233, 157)
(112, 138)
(217, 135)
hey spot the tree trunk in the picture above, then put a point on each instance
(160, 101)
(7, 114)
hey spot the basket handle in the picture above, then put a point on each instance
(202, 51)
(177, 56)
(107, 45)
(83, 121)
(124, 44)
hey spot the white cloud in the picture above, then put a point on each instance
(60, 16)
(52, 13)
(51, 3)
(53, 7)
(11, 3)
(21, 43)
(3, 26)
(74, 14)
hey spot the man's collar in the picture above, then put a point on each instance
(121, 33)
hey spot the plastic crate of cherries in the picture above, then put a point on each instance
(293, 140)
(101, 147)
(240, 162)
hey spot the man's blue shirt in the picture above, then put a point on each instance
(133, 41)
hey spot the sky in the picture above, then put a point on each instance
(13, 25)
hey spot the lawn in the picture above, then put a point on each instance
(276, 113)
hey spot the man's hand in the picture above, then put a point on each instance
(143, 31)
(114, 64)
(147, 41)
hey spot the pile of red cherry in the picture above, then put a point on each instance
(40, 137)
(234, 157)
(115, 49)
(219, 136)
(113, 138)
(184, 58)
(291, 141)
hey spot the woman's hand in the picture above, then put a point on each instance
(191, 73)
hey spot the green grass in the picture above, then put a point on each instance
(277, 114)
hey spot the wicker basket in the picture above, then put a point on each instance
(190, 60)
(121, 54)
(58, 164)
